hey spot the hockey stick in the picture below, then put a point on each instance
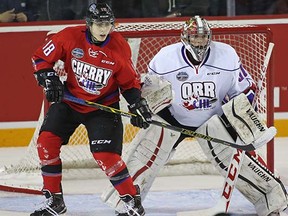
(249, 147)
(263, 71)
(230, 179)
(238, 155)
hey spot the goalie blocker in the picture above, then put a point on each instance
(152, 148)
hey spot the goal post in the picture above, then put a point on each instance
(145, 40)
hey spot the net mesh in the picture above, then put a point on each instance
(146, 39)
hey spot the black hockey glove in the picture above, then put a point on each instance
(143, 113)
(53, 87)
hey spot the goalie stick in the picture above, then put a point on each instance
(263, 72)
(238, 156)
(248, 147)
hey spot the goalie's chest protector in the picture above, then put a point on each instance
(199, 90)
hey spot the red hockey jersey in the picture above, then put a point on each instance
(94, 73)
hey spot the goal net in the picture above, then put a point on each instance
(146, 39)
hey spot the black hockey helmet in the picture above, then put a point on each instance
(100, 12)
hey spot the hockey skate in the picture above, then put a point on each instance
(53, 205)
(133, 205)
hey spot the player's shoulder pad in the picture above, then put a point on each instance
(164, 61)
(223, 56)
(167, 52)
(118, 36)
(119, 44)
(171, 48)
(223, 48)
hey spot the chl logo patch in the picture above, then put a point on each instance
(77, 53)
(182, 76)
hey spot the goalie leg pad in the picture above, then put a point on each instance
(255, 181)
(255, 178)
(149, 151)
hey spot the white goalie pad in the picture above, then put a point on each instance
(149, 151)
(255, 181)
(157, 92)
(246, 121)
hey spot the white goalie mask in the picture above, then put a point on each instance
(196, 37)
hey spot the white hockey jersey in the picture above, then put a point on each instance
(200, 90)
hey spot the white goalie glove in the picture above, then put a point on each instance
(157, 92)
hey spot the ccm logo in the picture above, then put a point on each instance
(233, 172)
(107, 62)
(100, 142)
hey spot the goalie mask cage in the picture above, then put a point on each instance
(146, 39)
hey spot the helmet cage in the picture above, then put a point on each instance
(196, 36)
(100, 12)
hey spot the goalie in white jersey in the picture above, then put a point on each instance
(203, 75)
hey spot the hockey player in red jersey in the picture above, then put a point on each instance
(99, 68)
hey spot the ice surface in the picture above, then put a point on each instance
(168, 195)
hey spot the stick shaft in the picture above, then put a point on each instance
(263, 72)
(238, 155)
(249, 147)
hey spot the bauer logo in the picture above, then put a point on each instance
(77, 53)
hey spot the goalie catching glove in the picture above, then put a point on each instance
(142, 113)
(53, 87)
